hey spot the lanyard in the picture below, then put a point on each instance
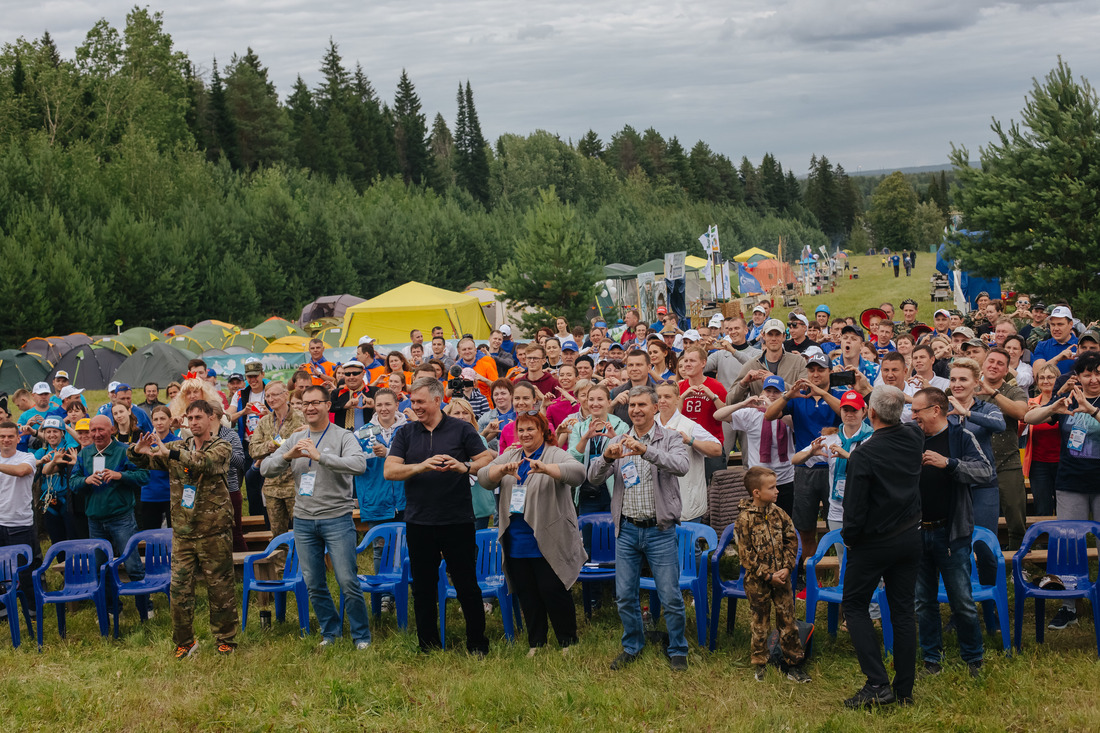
(525, 466)
(318, 444)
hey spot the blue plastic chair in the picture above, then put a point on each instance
(1067, 557)
(732, 590)
(392, 576)
(693, 575)
(158, 567)
(490, 578)
(291, 582)
(85, 579)
(14, 559)
(998, 592)
(602, 551)
(833, 595)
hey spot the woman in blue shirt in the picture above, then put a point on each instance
(55, 460)
(155, 504)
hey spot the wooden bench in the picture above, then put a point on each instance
(823, 526)
(1039, 557)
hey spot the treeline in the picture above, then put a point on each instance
(132, 188)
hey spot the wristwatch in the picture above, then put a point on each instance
(468, 464)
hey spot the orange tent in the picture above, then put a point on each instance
(773, 272)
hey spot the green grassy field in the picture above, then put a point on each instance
(877, 285)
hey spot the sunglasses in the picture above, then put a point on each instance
(352, 374)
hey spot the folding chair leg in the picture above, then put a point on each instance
(60, 608)
(1040, 620)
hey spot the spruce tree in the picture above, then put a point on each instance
(411, 134)
(222, 136)
(476, 152)
(444, 151)
(306, 138)
(590, 146)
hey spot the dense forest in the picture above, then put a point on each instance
(134, 188)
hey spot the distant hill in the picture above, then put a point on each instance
(910, 169)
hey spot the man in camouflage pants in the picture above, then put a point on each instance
(202, 526)
(767, 547)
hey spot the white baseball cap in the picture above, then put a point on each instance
(760, 308)
(69, 391)
(691, 335)
(112, 387)
(366, 340)
(41, 388)
(944, 311)
(61, 374)
(1061, 311)
(506, 330)
(716, 320)
(799, 316)
(773, 324)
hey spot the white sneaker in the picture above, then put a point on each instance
(532, 651)
(362, 645)
(327, 642)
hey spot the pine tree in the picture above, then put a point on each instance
(476, 152)
(253, 104)
(371, 133)
(750, 183)
(773, 190)
(222, 136)
(679, 167)
(444, 151)
(306, 139)
(590, 146)
(411, 132)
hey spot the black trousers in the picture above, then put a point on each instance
(896, 561)
(542, 594)
(454, 543)
(153, 513)
(786, 498)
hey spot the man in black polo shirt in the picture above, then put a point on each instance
(435, 457)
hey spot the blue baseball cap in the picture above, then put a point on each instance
(569, 345)
(122, 387)
(823, 309)
(600, 324)
(776, 382)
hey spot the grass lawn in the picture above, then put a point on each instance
(877, 285)
(277, 681)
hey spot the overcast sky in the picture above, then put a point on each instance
(870, 83)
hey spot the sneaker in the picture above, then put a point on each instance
(533, 651)
(488, 607)
(797, 674)
(362, 645)
(678, 663)
(327, 642)
(930, 669)
(182, 652)
(1063, 618)
(870, 695)
(761, 670)
(387, 604)
(623, 659)
(226, 649)
(149, 615)
(975, 669)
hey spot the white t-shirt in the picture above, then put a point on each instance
(836, 489)
(251, 419)
(751, 421)
(914, 385)
(693, 484)
(16, 497)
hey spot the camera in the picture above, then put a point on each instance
(456, 383)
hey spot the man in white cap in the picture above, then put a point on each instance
(105, 409)
(1061, 347)
(774, 361)
(507, 344)
(756, 328)
(798, 342)
(60, 382)
(941, 319)
(353, 405)
(32, 419)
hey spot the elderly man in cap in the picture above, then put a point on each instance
(774, 361)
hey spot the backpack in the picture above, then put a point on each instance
(775, 653)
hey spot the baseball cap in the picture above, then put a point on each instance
(1060, 311)
(211, 373)
(977, 342)
(818, 360)
(823, 309)
(852, 329)
(851, 398)
(506, 330)
(41, 388)
(716, 320)
(661, 310)
(69, 391)
(353, 364)
(368, 340)
(775, 382)
(760, 308)
(61, 374)
(800, 317)
(691, 335)
(236, 376)
(1092, 336)
(83, 424)
(52, 422)
(942, 311)
(599, 324)
(964, 331)
(1038, 306)
(112, 387)
(615, 345)
(773, 324)
(121, 387)
(569, 345)
(253, 367)
(813, 351)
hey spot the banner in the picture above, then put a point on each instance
(674, 265)
(746, 283)
(647, 297)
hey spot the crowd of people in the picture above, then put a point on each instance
(902, 435)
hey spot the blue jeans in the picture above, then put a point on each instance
(312, 537)
(118, 531)
(661, 548)
(953, 564)
(987, 510)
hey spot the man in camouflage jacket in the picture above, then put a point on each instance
(202, 526)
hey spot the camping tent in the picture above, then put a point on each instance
(772, 272)
(52, 348)
(331, 336)
(177, 330)
(288, 345)
(155, 362)
(210, 336)
(389, 317)
(138, 336)
(328, 306)
(753, 254)
(248, 339)
(184, 342)
(215, 322)
(88, 367)
(19, 369)
(112, 343)
(276, 327)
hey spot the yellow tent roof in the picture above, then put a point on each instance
(748, 254)
(388, 318)
(288, 345)
(693, 261)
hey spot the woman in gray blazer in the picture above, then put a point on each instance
(543, 552)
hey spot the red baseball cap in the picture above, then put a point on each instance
(852, 399)
(661, 310)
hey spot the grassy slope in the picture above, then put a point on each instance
(878, 285)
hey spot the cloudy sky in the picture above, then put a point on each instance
(870, 83)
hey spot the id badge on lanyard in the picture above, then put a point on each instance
(519, 499)
(631, 477)
(188, 499)
(306, 482)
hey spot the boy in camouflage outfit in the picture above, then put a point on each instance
(767, 546)
(202, 526)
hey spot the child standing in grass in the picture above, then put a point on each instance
(767, 547)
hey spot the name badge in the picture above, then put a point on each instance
(1076, 439)
(99, 463)
(188, 500)
(838, 490)
(631, 477)
(278, 440)
(305, 483)
(519, 499)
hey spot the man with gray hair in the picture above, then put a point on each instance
(645, 505)
(882, 514)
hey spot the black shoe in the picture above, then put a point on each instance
(797, 674)
(975, 669)
(678, 663)
(623, 659)
(930, 669)
(870, 695)
(1063, 618)
(761, 670)
(904, 701)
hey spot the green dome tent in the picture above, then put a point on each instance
(88, 367)
(156, 362)
(138, 336)
(112, 343)
(249, 340)
(209, 336)
(19, 370)
(275, 327)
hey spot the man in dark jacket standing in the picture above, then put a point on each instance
(953, 462)
(882, 517)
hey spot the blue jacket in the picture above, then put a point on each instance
(379, 499)
(968, 467)
(985, 420)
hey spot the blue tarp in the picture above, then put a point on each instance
(969, 283)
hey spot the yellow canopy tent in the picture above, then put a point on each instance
(288, 345)
(388, 318)
(693, 261)
(753, 254)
